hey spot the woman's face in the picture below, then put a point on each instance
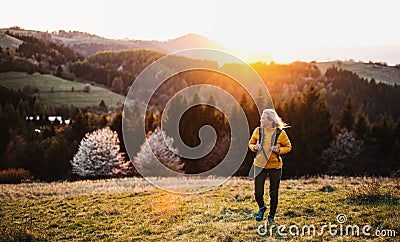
(265, 121)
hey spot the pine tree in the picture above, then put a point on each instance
(134, 136)
(211, 101)
(250, 109)
(157, 143)
(80, 124)
(4, 131)
(347, 115)
(98, 155)
(116, 125)
(383, 132)
(361, 126)
(102, 106)
(314, 123)
(261, 100)
(196, 100)
(171, 115)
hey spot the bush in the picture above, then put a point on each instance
(373, 192)
(86, 88)
(29, 89)
(342, 154)
(15, 176)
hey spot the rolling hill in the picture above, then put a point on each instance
(381, 73)
(10, 42)
(89, 44)
(57, 91)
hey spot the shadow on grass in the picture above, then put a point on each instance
(20, 234)
(374, 193)
(372, 199)
(328, 188)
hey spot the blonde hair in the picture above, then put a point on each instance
(274, 117)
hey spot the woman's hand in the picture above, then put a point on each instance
(257, 147)
(275, 149)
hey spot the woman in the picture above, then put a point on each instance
(268, 160)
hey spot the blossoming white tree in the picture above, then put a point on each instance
(342, 152)
(98, 155)
(157, 143)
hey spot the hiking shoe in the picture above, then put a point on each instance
(260, 213)
(271, 219)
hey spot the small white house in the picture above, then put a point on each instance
(51, 118)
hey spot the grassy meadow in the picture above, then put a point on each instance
(386, 74)
(10, 42)
(61, 93)
(131, 209)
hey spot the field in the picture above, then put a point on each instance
(386, 74)
(131, 209)
(7, 41)
(61, 93)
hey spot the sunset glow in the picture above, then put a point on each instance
(286, 30)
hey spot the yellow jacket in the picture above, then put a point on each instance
(283, 143)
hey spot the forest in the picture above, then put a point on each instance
(340, 123)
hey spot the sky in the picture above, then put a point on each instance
(286, 30)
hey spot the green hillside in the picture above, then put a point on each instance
(10, 42)
(381, 73)
(131, 209)
(57, 91)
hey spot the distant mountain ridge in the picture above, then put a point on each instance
(88, 44)
(191, 40)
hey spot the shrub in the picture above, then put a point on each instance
(342, 153)
(29, 89)
(15, 176)
(86, 88)
(372, 192)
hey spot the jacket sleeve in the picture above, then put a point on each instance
(254, 139)
(284, 143)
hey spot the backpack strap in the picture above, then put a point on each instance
(261, 132)
(261, 140)
(278, 131)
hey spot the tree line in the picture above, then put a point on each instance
(42, 147)
(327, 112)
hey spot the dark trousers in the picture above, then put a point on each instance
(274, 180)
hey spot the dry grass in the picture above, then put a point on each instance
(130, 209)
(107, 186)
